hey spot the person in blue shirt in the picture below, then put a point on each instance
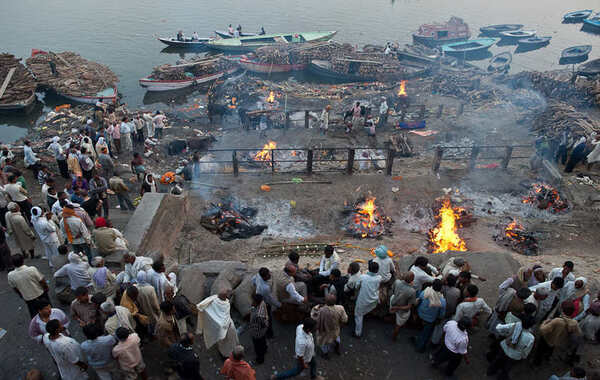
(431, 309)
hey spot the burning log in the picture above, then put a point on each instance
(265, 154)
(515, 236)
(444, 237)
(230, 221)
(366, 221)
(545, 197)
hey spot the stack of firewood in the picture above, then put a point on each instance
(321, 50)
(22, 84)
(277, 55)
(560, 115)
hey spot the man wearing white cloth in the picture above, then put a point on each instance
(215, 323)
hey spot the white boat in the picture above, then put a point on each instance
(169, 85)
(108, 95)
(518, 34)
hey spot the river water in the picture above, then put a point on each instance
(121, 33)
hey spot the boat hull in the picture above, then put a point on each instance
(321, 69)
(170, 85)
(577, 16)
(92, 99)
(469, 47)
(239, 45)
(576, 52)
(432, 42)
(592, 23)
(494, 30)
(528, 42)
(201, 44)
(22, 106)
(223, 34)
(267, 68)
(514, 34)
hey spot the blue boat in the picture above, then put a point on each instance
(593, 22)
(470, 46)
(577, 16)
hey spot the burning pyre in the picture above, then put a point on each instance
(515, 236)
(366, 220)
(402, 90)
(545, 197)
(444, 237)
(266, 153)
(230, 220)
(271, 97)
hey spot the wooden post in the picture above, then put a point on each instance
(306, 115)
(389, 162)
(474, 153)
(461, 108)
(437, 159)
(309, 162)
(350, 166)
(422, 112)
(287, 120)
(272, 161)
(440, 110)
(236, 164)
(507, 156)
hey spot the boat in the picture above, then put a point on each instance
(324, 69)
(255, 66)
(432, 35)
(21, 105)
(577, 16)
(223, 34)
(500, 62)
(168, 85)
(17, 85)
(470, 46)
(495, 30)
(590, 69)
(574, 52)
(534, 41)
(592, 22)
(518, 34)
(108, 96)
(187, 43)
(247, 44)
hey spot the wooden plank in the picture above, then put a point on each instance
(7, 80)
(62, 59)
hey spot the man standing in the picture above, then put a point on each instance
(566, 272)
(76, 232)
(424, 272)
(516, 346)
(146, 299)
(305, 352)
(324, 126)
(98, 351)
(456, 343)
(127, 353)
(28, 283)
(106, 162)
(117, 317)
(126, 130)
(236, 368)
(18, 195)
(329, 318)
(264, 287)
(187, 362)
(159, 124)
(552, 289)
(562, 332)
(329, 261)
(167, 331)
(471, 307)
(356, 110)
(121, 190)
(59, 154)
(368, 296)
(383, 112)
(98, 187)
(402, 300)
(432, 307)
(259, 326)
(65, 351)
(46, 230)
(82, 309)
(214, 321)
(17, 226)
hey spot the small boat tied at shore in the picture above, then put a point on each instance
(432, 35)
(577, 16)
(17, 85)
(247, 44)
(74, 77)
(518, 34)
(500, 62)
(470, 46)
(576, 52)
(495, 30)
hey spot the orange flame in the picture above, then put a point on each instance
(265, 153)
(402, 89)
(233, 102)
(271, 97)
(513, 230)
(444, 236)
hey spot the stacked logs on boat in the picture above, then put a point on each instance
(277, 55)
(560, 115)
(72, 74)
(201, 68)
(560, 85)
(320, 50)
(378, 66)
(21, 85)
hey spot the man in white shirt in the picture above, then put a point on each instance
(552, 288)
(515, 347)
(289, 291)
(126, 129)
(368, 296)
(31, 159)
(159, 124)
(472, 306)
(424, 272)
(456, 343)
(383, 112)
(566, 272)
(305, 352)
(77, 270)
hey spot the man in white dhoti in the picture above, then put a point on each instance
(133, 264)
(368, 296)
(215, 323)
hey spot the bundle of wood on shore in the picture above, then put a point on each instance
(369, 65)
(71, 74)
(191, 69)
(455, 84)
(559, 85)
(560, 115)
(21, 85)
(321, 50)
(276, 55)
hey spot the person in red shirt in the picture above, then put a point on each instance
(235, 368)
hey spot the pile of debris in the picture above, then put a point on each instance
(21, 85)
(545, 197)
(372, 65)
(230, 220)
(191, 69)
(276, 54)
(460, 86)
(558, 85)
(515, 236)
(558, 116)
(322, 50)
(401, 144)
(70, 74)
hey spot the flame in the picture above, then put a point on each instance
(444, 236)
(367, 220)
(233, 103)
(402, 89)
(546, 197)
(271, 97)
(265, 153)
(513, 231)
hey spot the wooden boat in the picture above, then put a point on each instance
(246, 44)
(223, 34)
(409, 57)
(577, 16)
(432, 35)
(108, 96)
(17, 85)
(267, 68)
(518, 34)
(187, 43)
(592, 22)
(534, 41)
(168, 85)
(590, 69)
(576, 52)
(495, 30)
(500, 62)
(470, 46)
(324, 69)
(22, 105)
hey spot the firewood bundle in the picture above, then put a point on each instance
(21, 85)
(167, 72)
(276, 55)
(559, 85)
(72, 75)
(322, 51)
(401, 144)
(560, 115)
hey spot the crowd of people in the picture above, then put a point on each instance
(570, 149)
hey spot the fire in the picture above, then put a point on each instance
(513, 231)
(265, 153)
(271, 97)
(444, 236)
(367, 221)
(546, 197)
(402, 89)
(233, 103)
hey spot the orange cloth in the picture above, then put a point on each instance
(68, 212)
(238, 370)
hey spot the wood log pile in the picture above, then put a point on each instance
(559, 85)
(277, 55)
(202, 68)
(21, 86)
(323, 51)
(74, 75)
(560, 115)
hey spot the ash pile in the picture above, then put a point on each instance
(230, 220)
(515, 236)
(22, 84)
